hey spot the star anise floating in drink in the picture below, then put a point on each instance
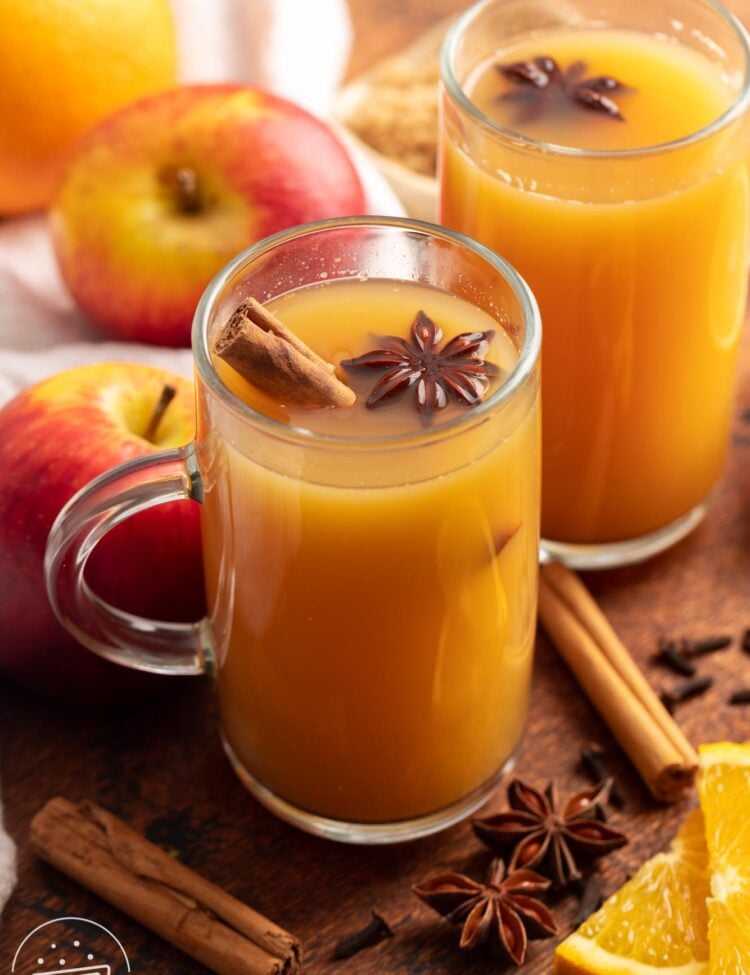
(542, 84)
(458, 370)
(504, 913)
(560, 841)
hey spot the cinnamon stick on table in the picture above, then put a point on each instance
(270, 356)
(615, 686)
(99, 851)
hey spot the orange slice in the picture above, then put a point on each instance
(655, 924)
(725, 799)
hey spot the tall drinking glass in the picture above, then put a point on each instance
(601, 146)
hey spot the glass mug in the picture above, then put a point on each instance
(369, 630)
(637, 257)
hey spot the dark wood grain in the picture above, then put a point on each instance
(161, 767)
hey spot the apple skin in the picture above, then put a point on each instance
(160, 196)
(54, 438)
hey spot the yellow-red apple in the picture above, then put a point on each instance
(54, 438)
(162, 194)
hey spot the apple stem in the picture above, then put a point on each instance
(168, 393)
(183, 183)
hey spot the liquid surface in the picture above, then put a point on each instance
(344, 319)
(670, 91)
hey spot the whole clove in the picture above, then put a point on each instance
(746, 641)
(375, 931)
(591, 899)
(740, 697)
(594, 764)
(711, 644)
(685, 691)
(671, 657)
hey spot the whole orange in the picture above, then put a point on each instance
(63, 66)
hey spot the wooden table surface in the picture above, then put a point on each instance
(162, 769)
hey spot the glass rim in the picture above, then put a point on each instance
(456, 92)
(528, 353)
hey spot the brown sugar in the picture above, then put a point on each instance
(399, 116)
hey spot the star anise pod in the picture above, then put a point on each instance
(560, 841)
(458, 370)
(504, 913)
(541, 79)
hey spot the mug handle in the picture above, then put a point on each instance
(155, 646)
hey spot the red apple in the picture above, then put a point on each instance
(162, 194)
(54, 438)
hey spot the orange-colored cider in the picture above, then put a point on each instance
(638, 264)
(375, 654)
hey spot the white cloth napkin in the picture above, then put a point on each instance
(298, 49)
(7, 865)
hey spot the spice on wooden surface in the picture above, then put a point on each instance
(711, 644)
(560, 840)
(375, 931)
(673, 658)
(399, 115)
(594, 764)
(740, 697)
(502, 914)
(685, 691)
(614, 684)
(98, 850)
(256, 344)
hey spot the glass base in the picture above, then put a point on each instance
(367, 833)
(612, 555)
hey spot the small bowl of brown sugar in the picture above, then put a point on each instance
(391, 114)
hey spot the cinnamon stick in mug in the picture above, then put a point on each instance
(256, 344)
